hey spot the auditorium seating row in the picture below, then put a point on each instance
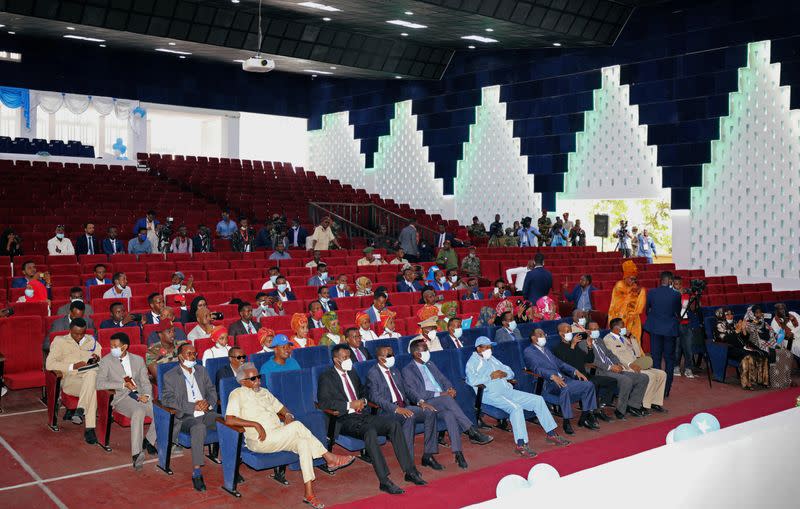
(54, 148)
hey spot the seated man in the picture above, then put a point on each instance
(260, 414)
(315, 313)
(280, 253)
(454, 332)
(68, 354)
(499, 291)
(425, 384)
(579, 319)
(485, 369)
(324, 297)
(111, 244)
(409, 282)
(562, 380)
(77, 309)
(342, 289)
(386, 389)
(156, 303)
(471, 264)
(428, 328)
(189, 391)
(339, 390)
(378, 305)
(317, 257)
(126, 375)
(236, 357)
(370, 258)
(167, 314)
(119, 317)
(177, 285)
(281, 361)
(165, 349)
(508, 329)
(352, 337)
(282, 292)
(264, 308)
(321, 277)
(619, 344)
(274, 272)
(474, 292)
(76, 295)
(245, 324)
(140, 244)
(439, 282)
(40, 282)
(120, 290)
(99, 277)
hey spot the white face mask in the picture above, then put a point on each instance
(282, 288)
(541, 342)
(425, 356)
(623, 331)
(263, 304)
(458, 332)
(581, 321)
(512, 324)
(189, 364)
(442, 280)
(595, 334)
(272, 279)
(177, 286)
(568, 336)
(221, 345)
(29, 292)
(487, 354)
(77, 299)
(347, 365)
(390, 362)
(453, 279)
(120, 287)
(431, 334)
(60, 236)
(472, 255)
(116, 352)
(323, 275)
(729, 321)
(342, 287)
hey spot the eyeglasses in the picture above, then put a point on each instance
(254, 378)
(238, 357)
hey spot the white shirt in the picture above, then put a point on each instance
(170, 290)
(389, 334)
(112, 293)
(346, 391)
(335, 338)
(126, 365)
(192, 390)
(367, 335)
(269, 285)
(197, 333)
(519, 281)
(386, 376)
(215, 352)
(457, 342)
(64, 245)
(156, 318)
(249, 327)
(301, 341)
(283, 297)
(99, 281)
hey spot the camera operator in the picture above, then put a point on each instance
(164, 232)
(622, 234)
(243, 240)
(690, 328)
(528, 233)
(495, 231)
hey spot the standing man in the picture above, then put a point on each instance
(226, 227)
(408, 240)
(297, 235)
(663, 310)
(87, 243)
(149, 223)
(323, 237)
(538, 282)
(690, 327)
(243, 240)
(545, 224)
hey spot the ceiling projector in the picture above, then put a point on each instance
(258, 64)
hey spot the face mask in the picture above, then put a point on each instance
(272, 279)
(189, 364)
(221, 345)
(116, 352)
(387, 295)
(317, 314)
(347, 365)
(281, 287)
(512, 325)
(76, 299)
(323, 275)
(431, 334)
(458, 332)
(425, 356)
(60, 236)
(595, 334)
(324, 299)
(487, 354)
(390, 362)
(568, 336)
(120, 287)
(623, 331)
(29, 292)
(453, 279)
(342, 287)
(177, 286)
(541, 342)
(142, 238)
(729, 321)
(472, 255)
(581, 321)
(263, 304)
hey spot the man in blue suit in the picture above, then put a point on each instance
(386, 389)
(142, 221)
(324, 297)
(581, 295)
(426, 384)
(409, 283)
(111, 244)
(663, 310)
(340, 289)
(474, 292)
(538, 281)
(562, 380)
(297, 235)
(321, 277)
(378, 305)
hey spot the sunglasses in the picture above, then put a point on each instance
(238, 357)
(254, 378)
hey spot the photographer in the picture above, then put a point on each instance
(243, 240)
(690, 328)
(182, 243)
(623, 235)
(528, 233)
(201, 243)
(495, 232)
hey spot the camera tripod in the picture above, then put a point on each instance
(694, 300)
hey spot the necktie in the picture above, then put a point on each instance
(249, 327)
(601, 354)
(395, 390)
(359, 355)
(350, 392)
(433, 380)
(456, 342)
(91, 244)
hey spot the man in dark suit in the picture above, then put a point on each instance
(426, 384)
(236, 357)
(282, 292)
(443, 236)
(297, 235)
(453, 338)
(409, 283)
(111, 244)
(474, 292)
(538, 281)
(87, 243)
(358, 353)
(156, 303)
(663, 311)
(188, 390)
(77, 309)
(341, 289)
(340, 392)
(246, 324)
(324, 297)
(321, 277)
(119, 317)
(386, 389)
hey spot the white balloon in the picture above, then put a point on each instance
(510, 484)
(542, 473)
(671, 436)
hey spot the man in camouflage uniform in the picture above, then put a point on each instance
(471, 263)
(509, 240)
(545, 225)
(476, 229)
(165, 349)
(382, 240)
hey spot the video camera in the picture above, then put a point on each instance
(697, 286)
(164, 235)
(526, 222)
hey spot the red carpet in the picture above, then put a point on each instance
(477, 486)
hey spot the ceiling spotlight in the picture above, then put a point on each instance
(398, 77)
(70, 28)
(490, 29)
(478, 38)
(322, 7)
(316, 72)
(177, 52)
(102, 45)
(1, 26)
(556, 44)
(181, 56)
(404, 34)
(333, 67)
(234, 1)
(11, 33)
(82, 38)
(406, 24)
(326, 19)
(409, 13)
(471, 46)
(171, 44)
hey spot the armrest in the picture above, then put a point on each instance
(164, 408)
(238, 429)
(57, 374)
(513, 382)
(531, 373)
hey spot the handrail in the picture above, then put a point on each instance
(371, 217)
(316, 212)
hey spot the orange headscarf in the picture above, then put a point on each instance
(217, 332)
(386, 314)
(629, 269)
(263, 334)
(298, 319)
(426, 312)
(361, 316)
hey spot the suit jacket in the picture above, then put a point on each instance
(335, 294)
(109, 324)
(317, 281)
(576, 292)
(93, 282)
(538, 283)
(148, 317)
(440, 287)
(330, 393)
(603, 357)
(239, 244)
(82, 245)
(619, 352)
(237, 328)
(546, 364)
(502, 335)
(174, 394)
(330, 305)
(361, 349)
(663, 309)
(373, 317)
(448, 344)
(403, 286)
(471, 296)
(62, 324)
(64, 310)
(224, 372)
(447, 236)
(111, 376)
(408, 240)
(289, 295)
(415, 385)
(379, 391)
(108, 246)
(302, 234)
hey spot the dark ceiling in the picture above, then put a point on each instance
(356, 41)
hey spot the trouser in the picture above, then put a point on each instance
(656, 384)
(136, 412)
(632, 387)
(367, 428)
(409, 426)
(626, 253)
(197, 427)
(296, 438)
(575, 390)
(683, 345)
(604, 387)
(663, 347)
(515, 403)
(84, 386)
(454, 419)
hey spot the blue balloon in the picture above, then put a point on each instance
(686, 432)
(706, 423)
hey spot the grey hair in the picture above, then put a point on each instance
(242, 369)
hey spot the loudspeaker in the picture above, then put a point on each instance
(601, 225)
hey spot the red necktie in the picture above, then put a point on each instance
(359, 355)
(350, 392)
(457, 342)
(395, 390)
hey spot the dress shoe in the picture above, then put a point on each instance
(645, 411)
(429, 461)
(68, 414)
(89, 436)
(390, 488)
(460, 461)
(635, 412)
(198, 483)
(77, 416)
(589, 423)
(568, 427)
(239, 479)
(602, 416)
(138, 461)
(476, 437)
(414, 477)
(525, 451)
(442, 440)
(556, 439)
(150, 448)
(619, 415)
(658, 408)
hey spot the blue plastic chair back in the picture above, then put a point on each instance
(161, 370)
(372, 346)
(362, 368)
(214, 365)
(260, 358)
(312, 356)
(226, 386)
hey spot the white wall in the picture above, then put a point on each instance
(273, 138)
(334, 152)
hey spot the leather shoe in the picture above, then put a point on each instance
(619, 415)
(390, 488)
(198, 483)
(150, 448)
(460, 461)
(77, 416)
(635, 412)
(660, 409)
(138, 461)
(568, 427)
(90, 436)
(68, 414)
(414, 477)
(589, 423)
(602, 416)
(476, 437)
(429, 461)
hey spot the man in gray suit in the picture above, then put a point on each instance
(75, 295)
(426, 384)
(631, 385)
(246, 324)
(408, 240)
(127, 376)
(189, 390)
(386, 389)
(77, 309)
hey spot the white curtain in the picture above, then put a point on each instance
(51, 102)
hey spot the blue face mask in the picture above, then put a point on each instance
(142, 238)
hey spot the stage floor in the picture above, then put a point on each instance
(45, 469)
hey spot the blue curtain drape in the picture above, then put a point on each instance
(17, 98)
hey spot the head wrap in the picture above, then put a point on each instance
(264, 333)
(361, 316)
(450, 309)
(547, 308)
(361, 283)
(629, 269)
(328, 317)
(386, 314)
(427, 311)
(486, 316)
(504, 306)
(298, 319)
(217, 332)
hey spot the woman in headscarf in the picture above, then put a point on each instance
(332, 335)
(389, 325)
(363, 287)
(221, 347)
(628, 300)
(300, 338)
(429, 298)
(753, 366)
(545, 309)
(779, 357)
(788, 322)
(449, 311)
(198, 302)
(486, 316)
(364, 327)
(265, 336)
(204, 325)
